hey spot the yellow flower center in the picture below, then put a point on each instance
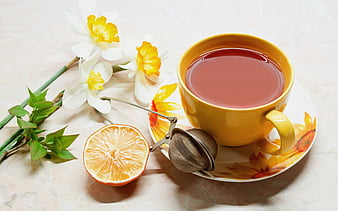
(101, 31)
(147, 59)
(95, 81)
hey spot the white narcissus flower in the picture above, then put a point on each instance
(93, 76)
(145, 67)
(98, 34)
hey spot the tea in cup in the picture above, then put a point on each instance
(235, 87)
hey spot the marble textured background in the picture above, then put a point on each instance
(35, 41)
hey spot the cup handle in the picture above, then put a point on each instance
(286, 133)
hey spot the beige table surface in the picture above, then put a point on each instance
(35, 41)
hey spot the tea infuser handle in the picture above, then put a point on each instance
(167, 137)
(285, 129)
(158, 144)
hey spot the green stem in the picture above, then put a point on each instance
(117, 69)
(4, 147)
(13, 142)
(17, 137)
(43, 87)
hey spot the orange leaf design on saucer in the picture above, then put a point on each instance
(259, 166)
(304, 135)
(158, 124)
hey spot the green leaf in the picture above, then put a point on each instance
(32, 135)
(53, 137)
(37, 150)
(66, 141)
(49, 142)
(39, 131)
(56, 134)
(39, 119)
(41, 96)
(24, 124)
(46, 111)
(43, 104)
(40, 139)
(57, 145)
(65, 154)
(41, 115)
(62, 143)
(32, 98)
(35, 98)
(18, 111)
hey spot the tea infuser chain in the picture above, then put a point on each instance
(138, 106)
(172, 120)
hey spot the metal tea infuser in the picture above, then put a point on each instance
(192, 150)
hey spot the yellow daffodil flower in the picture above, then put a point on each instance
(98, 34)
(147, 60)
(145, 67)
(93, 76)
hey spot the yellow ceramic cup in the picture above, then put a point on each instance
(238, 127)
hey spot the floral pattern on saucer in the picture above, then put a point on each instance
(263, 165)
(248, 163)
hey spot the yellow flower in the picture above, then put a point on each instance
(158, 124)
(259, 166)
(95, 81)
(145, 67)
(98, 34)
(101, 31)
(148, 60)
(305, 135)
(93, 76)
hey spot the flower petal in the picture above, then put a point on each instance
(132, 74)
(167, 106)
(130, 65)
(88, 7)
(144, 91)
(164, 92)
(105, 69)
(129, 46)
(114, 54)
(84, 48)
(102, 106)
(89, 64)
(75, 96)
(163, 54)
(76, 22)
(111, 16)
